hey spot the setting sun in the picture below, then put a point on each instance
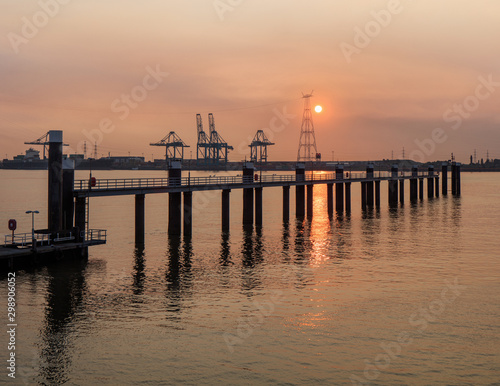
(318, 109)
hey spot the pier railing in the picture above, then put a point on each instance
(41, 239)
(93, 235)
(26, 239)
(135, 183)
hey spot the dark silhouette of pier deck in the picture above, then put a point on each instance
(180, 211)
(68, 200)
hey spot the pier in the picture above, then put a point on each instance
(339, 184)
(61, 239)
(68, 227)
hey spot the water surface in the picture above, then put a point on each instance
(405, 295)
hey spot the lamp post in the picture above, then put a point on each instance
(33, 241)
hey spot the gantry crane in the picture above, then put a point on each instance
(218, 147)
(43, 140)
(174, 147)
(203, 145)
(258, 147)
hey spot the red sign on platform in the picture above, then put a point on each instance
(12, 224)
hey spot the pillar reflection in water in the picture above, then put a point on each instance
(301, 236)
(65, 293)
(252, 250)
(343, 242)
(139, 275)
(285, 239)
(225, 250)
(178, 276)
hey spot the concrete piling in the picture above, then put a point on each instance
(363, 195)
(339, 188)
(286, 204)
(248, 172)
(455, 179)
(444, 182)
(55, 180)
(225, 209)
(188, 213)
(300, 192)
(139, 218)
(329, 198)
(79, 216)
(369, 186)
(258, 206)
(347, 197)
(393, 185)
(430, 182)
(421, 188)
(310, 200)
(174, 199)
(402, 191)
(377, 194)
(414, 184)
(67, 197)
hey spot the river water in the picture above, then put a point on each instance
(406, 295)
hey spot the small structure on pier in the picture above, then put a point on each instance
(258, 147)
(174, 147)
(211, 149)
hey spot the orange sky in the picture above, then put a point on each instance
(246, 61)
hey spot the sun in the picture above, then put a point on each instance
(318, 109)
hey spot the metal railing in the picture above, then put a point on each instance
(64, 236)
(139, 183)
(94, 235)
(26, 239)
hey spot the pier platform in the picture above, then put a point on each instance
(17, 255)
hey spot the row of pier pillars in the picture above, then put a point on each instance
(370, 189)
(64, 211)
(180, 204)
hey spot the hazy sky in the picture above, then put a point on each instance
(125, 73)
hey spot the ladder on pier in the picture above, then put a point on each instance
(87, 214)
